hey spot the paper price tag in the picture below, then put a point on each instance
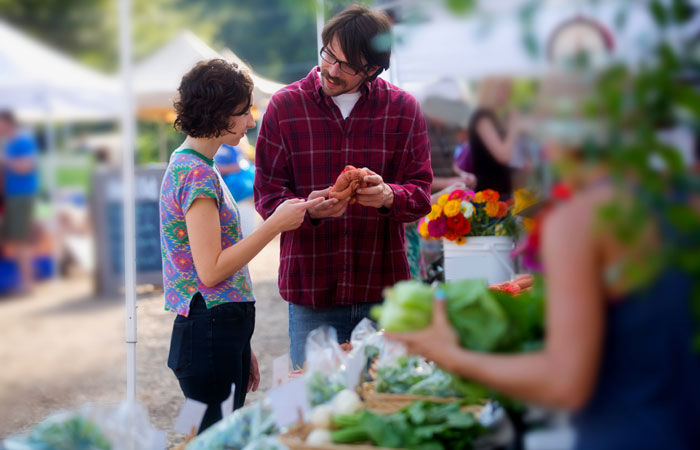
(227, 405)
(289, 402)
(190, 417)
(280, 369)
(353, 368)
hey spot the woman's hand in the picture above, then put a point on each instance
(290, 214)
(437, 343)
(254, 378)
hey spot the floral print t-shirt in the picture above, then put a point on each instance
(191, 175)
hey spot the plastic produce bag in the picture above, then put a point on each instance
(114, 427)
(246, 427)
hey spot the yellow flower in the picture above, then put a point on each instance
(523, 199)
(423, 229)
(443, 199)
(435, 212)
(452, 208)
(529, 223)
(479, 197)
(499, 230)
(491, 209)
(461, 240)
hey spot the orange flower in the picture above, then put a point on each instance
(491, 209)
(490, 195)
(502, 209)
(479, 197)
(461, 240)
(450, 235)
(529, 224)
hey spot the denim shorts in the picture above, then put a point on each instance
(210, 350)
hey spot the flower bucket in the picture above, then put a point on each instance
(486, 257)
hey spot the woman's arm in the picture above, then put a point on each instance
(564, 373)
(501, 149)
(204, 231)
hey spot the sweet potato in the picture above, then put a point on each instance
(347, 183)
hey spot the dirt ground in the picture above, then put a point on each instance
(62, 348)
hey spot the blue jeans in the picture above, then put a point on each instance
(303, 320)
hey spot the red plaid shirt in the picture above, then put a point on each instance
(303, 145)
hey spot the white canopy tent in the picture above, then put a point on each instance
(157, 77)
(489, 41)
(39, 83)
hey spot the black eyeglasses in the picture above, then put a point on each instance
(344, 66)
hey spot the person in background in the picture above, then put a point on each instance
(205, 274)
(21, 185)
(335, 266)
(490, 144)
(236, 171)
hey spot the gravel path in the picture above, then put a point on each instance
(62, 348)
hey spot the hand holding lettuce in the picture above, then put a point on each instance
(483, 320)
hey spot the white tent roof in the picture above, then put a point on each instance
(38, 82)
(489, 42)
(157, 78)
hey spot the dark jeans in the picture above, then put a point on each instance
(209, 350)
(303, 320)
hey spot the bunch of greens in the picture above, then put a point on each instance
(76, 432)
(423, 425)
(412, 375)
(322, 388)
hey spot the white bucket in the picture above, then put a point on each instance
(486, 257)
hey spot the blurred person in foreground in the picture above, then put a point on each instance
(619, 349)
(21, 185)
(335, 266)
(490, 144)
(205, 257)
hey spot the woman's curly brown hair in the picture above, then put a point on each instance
(210, 93)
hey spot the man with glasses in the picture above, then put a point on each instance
(334, 267)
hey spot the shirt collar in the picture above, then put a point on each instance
(365, 88)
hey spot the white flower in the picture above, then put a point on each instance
(467, 209)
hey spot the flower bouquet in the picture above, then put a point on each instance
(485, 223)
(461, 214)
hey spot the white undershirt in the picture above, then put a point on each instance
(345, 102)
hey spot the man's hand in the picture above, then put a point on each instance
(331, 207)
(254, 378)
(377, 194)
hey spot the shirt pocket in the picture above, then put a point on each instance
(181, 347)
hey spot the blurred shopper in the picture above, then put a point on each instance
(490, 144)
(336, 265)
(205, 273)
(21, 185)
(444, 142)
(619, 347)
(237, 172)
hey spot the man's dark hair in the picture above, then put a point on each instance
(361, 32)
(210, 93)
(8, 116)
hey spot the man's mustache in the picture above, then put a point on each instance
(332, 79)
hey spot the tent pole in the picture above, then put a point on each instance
(163, 140)
(320, 16)
(128, 133)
